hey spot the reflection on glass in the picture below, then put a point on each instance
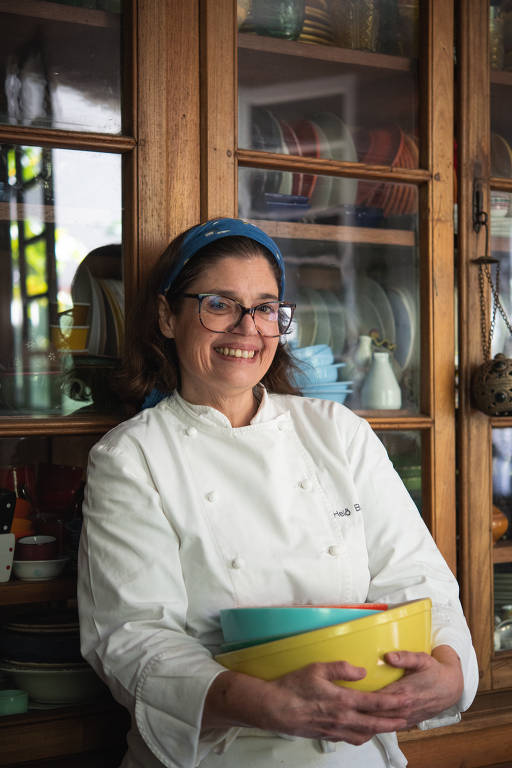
(45, 478)
(502, 533)
(352, 270)
(314, 97)
(61, 296)
(500, 38)
(60, 65)
(404, 449)
(501, 248)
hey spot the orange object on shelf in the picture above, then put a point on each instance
(499, 523)
(22, 526)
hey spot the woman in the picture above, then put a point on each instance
(223, 492)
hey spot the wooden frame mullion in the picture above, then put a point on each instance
(474, 437)
(219, 88)
(438, 281)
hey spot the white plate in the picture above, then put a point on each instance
(85, 289)
(323, 188)
(369, 318)
(323, 323)
(380, 301)
(306, 320)
(342, 148)
(337, 315)
(405, 324)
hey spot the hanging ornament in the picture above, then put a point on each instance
(491, 383)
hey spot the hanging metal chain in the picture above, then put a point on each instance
(485, 272)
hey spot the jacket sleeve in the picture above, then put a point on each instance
(133, 605)
(404, 561)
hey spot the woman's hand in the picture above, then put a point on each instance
(430, 684)
(305, 703)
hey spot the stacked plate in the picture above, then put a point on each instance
(40, 654)
(106, 297)
(389, 146)
(502, 589)
(317, 27)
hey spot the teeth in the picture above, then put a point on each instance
(231, 352)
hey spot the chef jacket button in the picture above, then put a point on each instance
(212, 496)
(191, 431)
(334, 550)
(281, 426)
(306, 484)
(237, 563)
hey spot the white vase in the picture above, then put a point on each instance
(380, 388)
(363, 353)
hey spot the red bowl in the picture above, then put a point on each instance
(36, 548)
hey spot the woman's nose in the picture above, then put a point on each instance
(246, 326)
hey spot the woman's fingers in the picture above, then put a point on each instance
(408, 660)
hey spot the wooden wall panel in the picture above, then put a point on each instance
(168, 166)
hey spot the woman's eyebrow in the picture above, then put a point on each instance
(233, 295)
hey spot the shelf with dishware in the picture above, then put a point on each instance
(103, 15)
(69, 733)
(273, 46)
(502, 552)
(340, 234)
(17, 592)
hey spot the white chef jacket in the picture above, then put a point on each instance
(185, 515)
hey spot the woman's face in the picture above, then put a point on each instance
(209, 371)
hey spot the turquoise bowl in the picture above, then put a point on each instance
(249, 626)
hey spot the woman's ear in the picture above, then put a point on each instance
(165, 318)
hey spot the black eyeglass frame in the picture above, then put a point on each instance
(244, 311)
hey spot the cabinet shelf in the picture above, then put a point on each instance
(36, 735)
(501, 77)
(38, 9)
(326, 53)
(17, 592)
(502, 552)
(341, 234)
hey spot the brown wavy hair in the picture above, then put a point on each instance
(151, 360)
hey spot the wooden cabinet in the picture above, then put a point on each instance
(189, 141)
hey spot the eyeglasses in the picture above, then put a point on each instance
(221, 314)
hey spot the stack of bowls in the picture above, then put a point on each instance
(317, 374)
(273, 641)
(36, 558)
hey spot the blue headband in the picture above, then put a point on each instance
(199, 236)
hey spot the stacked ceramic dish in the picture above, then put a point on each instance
(318, 373)
(40, 654)
(268, 642)
(317, 27)
(324, 135)
(390, 146)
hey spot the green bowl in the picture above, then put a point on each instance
(13, 702)
(258, 625)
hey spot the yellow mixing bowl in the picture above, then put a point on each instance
(362, 642)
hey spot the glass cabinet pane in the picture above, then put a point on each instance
(60, 63)
(405, 451)
(42, 483)
(354, 276)
(62, 300)
(502, 536)
(500, 35)
(335, 79)
(501, 249)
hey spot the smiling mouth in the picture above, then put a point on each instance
(235, 352)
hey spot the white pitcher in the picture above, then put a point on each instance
(380, 388)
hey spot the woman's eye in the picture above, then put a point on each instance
(269, 310)
(216, 303)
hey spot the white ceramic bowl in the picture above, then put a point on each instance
(54, 685)
(38, 570)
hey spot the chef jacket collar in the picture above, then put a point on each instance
(207, 416)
